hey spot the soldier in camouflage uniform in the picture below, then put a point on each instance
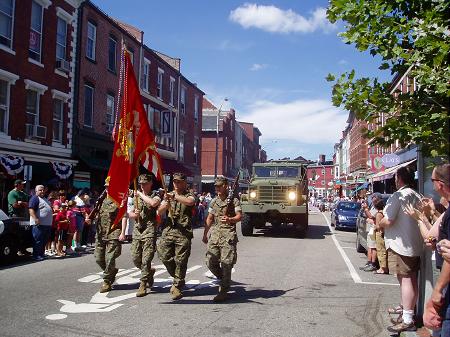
(174, 246)
(107, 244)
(221, 252)
(144, 234)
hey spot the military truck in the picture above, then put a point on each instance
(278, 194)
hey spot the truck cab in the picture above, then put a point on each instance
(277, 194)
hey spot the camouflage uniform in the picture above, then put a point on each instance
(221, 252)
(174, 247)
(144, 238)
(107, 245)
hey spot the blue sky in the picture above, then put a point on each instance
(270, 60)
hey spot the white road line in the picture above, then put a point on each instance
(348, 247)
(350, 267)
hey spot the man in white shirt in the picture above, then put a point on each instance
(404, 244)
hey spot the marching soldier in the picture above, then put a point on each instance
(221, 252)
(107, 244)
(144, 234)
(174, 246)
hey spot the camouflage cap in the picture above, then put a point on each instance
(220, 181)
(179, 176)
(145, 178)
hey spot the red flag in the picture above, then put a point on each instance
(134, 142)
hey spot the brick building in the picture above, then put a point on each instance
(321, 177)
(237, 145)
(172, 102)
(37, 62)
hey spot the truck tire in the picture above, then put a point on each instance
(246, 226)
(301, 226)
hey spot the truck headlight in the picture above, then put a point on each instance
(252, 194)
(292, 195)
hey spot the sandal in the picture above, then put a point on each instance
(396, 311)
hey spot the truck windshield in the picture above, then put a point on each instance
(288, 172)
(280, 172)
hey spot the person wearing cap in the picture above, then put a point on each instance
(107, 244)
(221, 254)
(143, 246)
(18, 200)
(174, 247)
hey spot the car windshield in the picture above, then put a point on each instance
(349, 206)
(273, 171)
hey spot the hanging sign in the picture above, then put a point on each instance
(165, 132)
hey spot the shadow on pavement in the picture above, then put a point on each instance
(238, 294)
(288, 231)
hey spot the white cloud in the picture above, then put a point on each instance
(258, 66)
(343, 62)
(276, 20)
(304, 121)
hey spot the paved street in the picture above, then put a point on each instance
(283, 286)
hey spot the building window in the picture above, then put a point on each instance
(150, 117)
(61, 39)
(32, 107)
(88, 105)
(196, 109)
(110, 112)
(6, 22)
(145, 75)
(196, 150)
(172, 91)
(159, 84)
(37, 12)
(112, 54)
(58, 118)
(91, 40)
(4, 106)
(183, 100)
(181, 154)
(157, 123)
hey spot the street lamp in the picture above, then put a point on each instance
(217, 138)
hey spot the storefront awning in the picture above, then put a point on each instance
(390, 172)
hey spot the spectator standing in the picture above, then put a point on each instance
(41, 217)
(72, 226)
(379, 238)
(371, 236)
(404, 245)
(62, 226)
(18, 200)
(437, 310)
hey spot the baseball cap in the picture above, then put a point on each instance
(179, 176)
(376, 195)
(19, 182)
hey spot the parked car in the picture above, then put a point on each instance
(345, 214)
(362, 228)
(15, 235)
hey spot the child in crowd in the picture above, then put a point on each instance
(62, 226)
(379, 235)
(72, 226)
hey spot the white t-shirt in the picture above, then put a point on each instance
(403, 236)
